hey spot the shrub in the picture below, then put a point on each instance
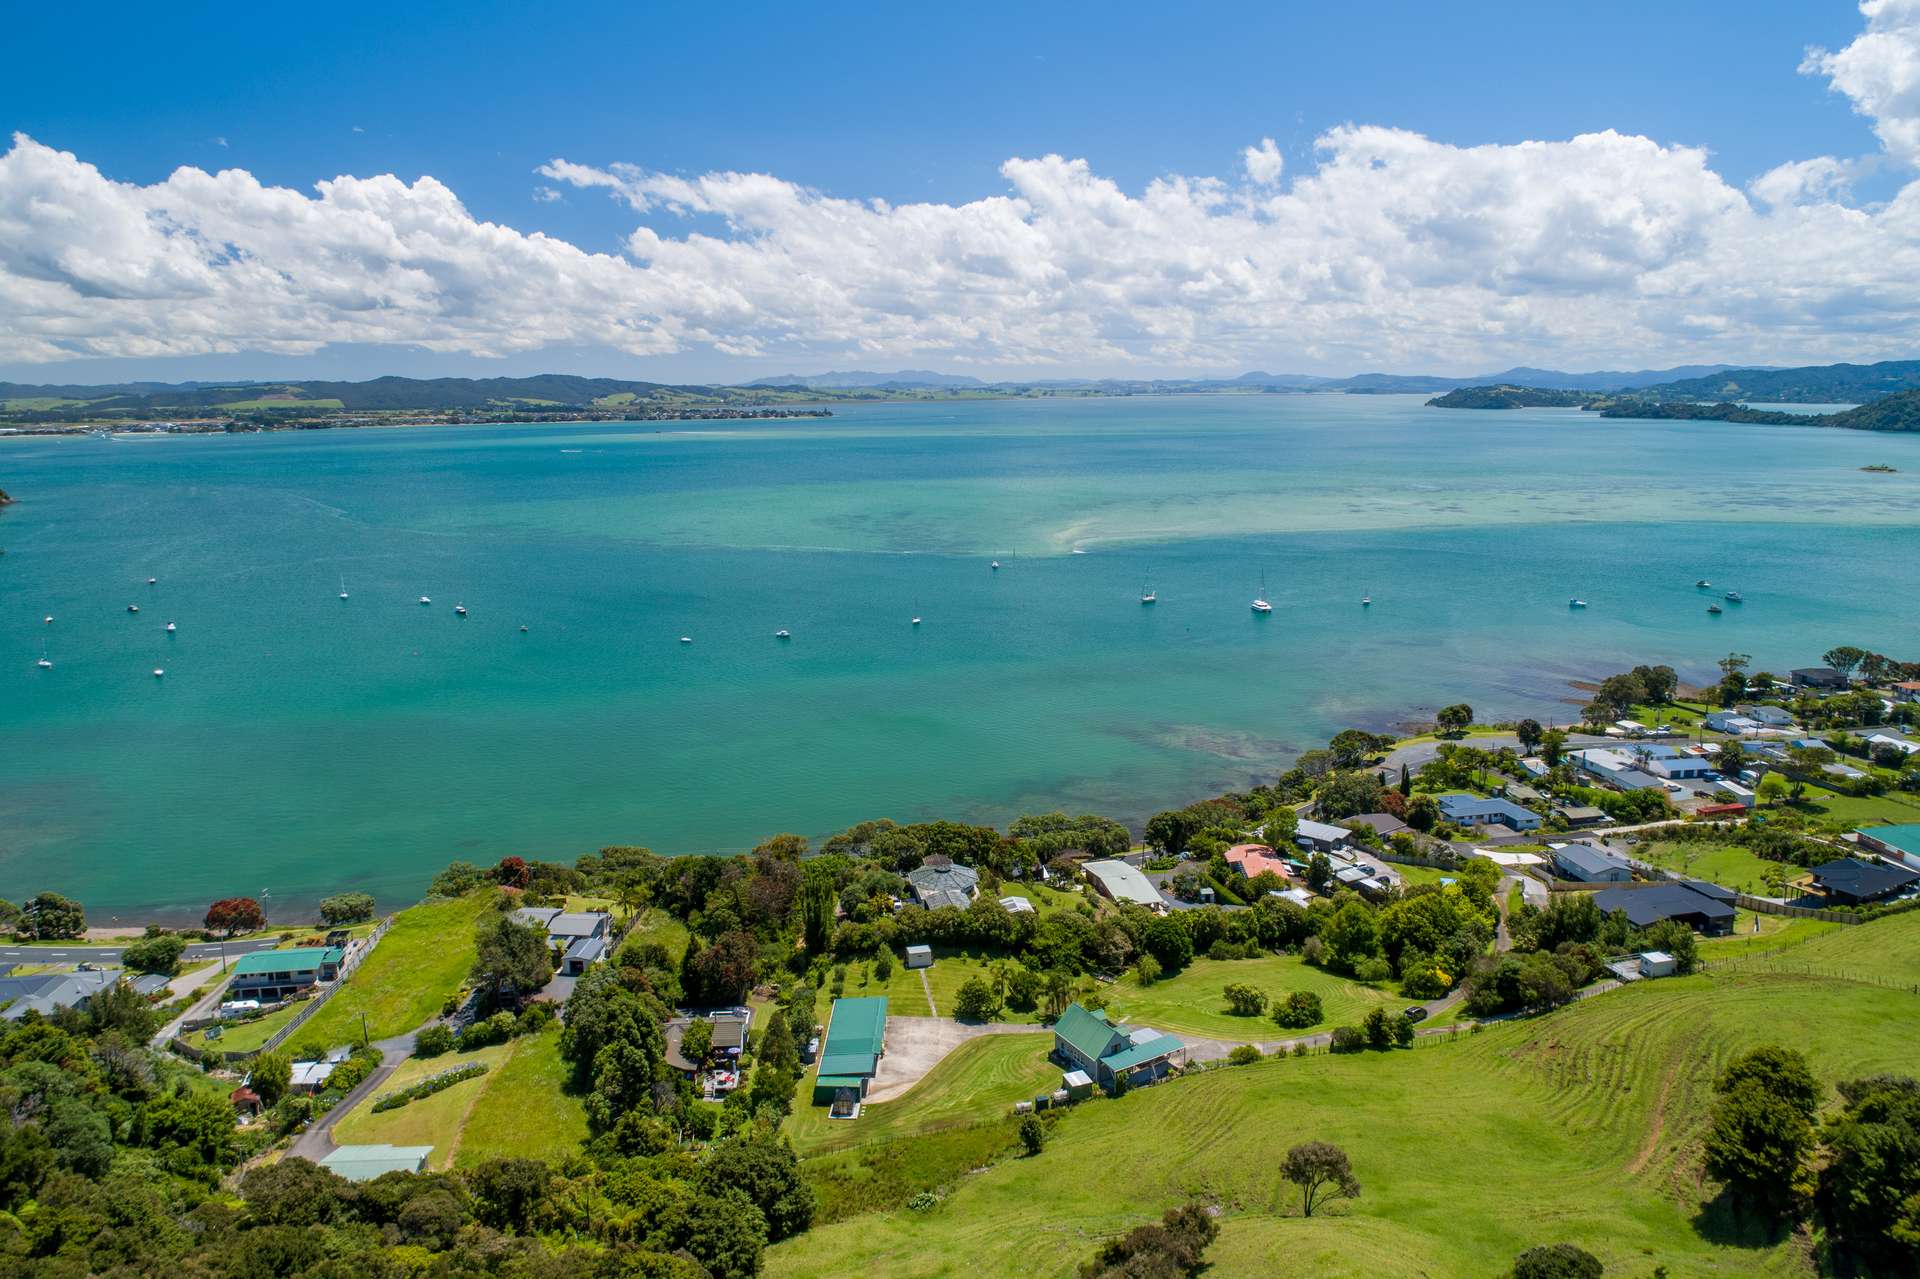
(1298, 1010)
(497, 1029)
(1557, 1261)
(434, 1041)
(1372, 968)
(883, 965)
(1033, 1134)
(1244, 1000)
(429, 1086)
(1402, 1032)
(1244, 1055)
(1147, 971)
(1314, 951)
(1378, 1025)
(155, 954)
(923, 1201)
(1348, 1039)
(346, 908)
(1300, 1050)
(977, 1001)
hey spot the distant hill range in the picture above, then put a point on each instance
(1362, 383)
(1813, 384)
(1887, 396)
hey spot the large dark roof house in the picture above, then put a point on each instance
(1702, 909)
(1852, 880)
(1820, 677)
(939, 882)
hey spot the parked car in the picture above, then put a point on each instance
(1416, 1013)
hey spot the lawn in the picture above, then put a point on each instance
(431, 1121)
(1775, 933)
(1191, 1001)
(1582, 1126)
(980, 1080)
(523, 1111)
(1865, 810)
(1411, 875)
(904, 994)
(517, 1109)
(1729, 865)
(423, 958)
(656, 925)
(246, 1036)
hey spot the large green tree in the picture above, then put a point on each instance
(1762, 1131)
(512, 960)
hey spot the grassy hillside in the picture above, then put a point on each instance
(423, 958)
(1581, 1127)
(1193, 1002)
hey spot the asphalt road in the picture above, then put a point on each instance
(81, 953)
(1424, 752)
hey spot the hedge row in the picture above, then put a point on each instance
(429, 1086)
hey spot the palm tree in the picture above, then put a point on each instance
(1059, 989)
(632, 895)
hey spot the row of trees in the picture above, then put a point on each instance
(1857, 1170)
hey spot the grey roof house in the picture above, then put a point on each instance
(45, 992)
(1702, 911)
(1472, 810)
(938, 881)
(1590, 865)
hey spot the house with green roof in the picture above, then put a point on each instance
(1899, 843)
(364, 1163)
(856, 1041)
(1111, 1054)
(272, 975)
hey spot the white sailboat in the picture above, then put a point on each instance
(343, 588)
(1147, 596)
(45, 663)
(171, 628)
(1260, 604)
(460, 610)
(916, 612)
(425, 600)
(783, 633)
(995, 566)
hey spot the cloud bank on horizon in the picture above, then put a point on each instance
(1392, 250)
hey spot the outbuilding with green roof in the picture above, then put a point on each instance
(856, 1041)
(1899, 843)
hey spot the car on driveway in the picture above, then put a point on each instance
(1416, 1013)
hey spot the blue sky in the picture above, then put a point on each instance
(904, 104)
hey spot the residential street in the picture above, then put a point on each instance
(81, 953)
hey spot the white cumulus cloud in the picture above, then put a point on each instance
(1880, 72)
(1388, 249)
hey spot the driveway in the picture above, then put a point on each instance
(915, 1045)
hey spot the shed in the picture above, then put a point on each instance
(364, 1163)
(1078, 1083)
(1656, 963)
(920, 956)
(1123, 883)
(856, 1040)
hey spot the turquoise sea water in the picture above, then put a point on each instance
(300, 744)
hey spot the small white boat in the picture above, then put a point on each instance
(460, 610)
(343, 588)
(686, 639)
(1576, 603)
(48, 619)
(1734, 596)
(1260, 604)
(523, 630)
(425, 600)
(45, 664)
(157, 672)
(1148, 597)
(1715, 609)
(783, 633)
(1703, 583)
(1366, 601)
(996, 566)
(916, 612)
(133, 608)
(171, 628)
(152, 580)
(916, 621)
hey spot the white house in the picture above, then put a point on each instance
(1617, 767)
